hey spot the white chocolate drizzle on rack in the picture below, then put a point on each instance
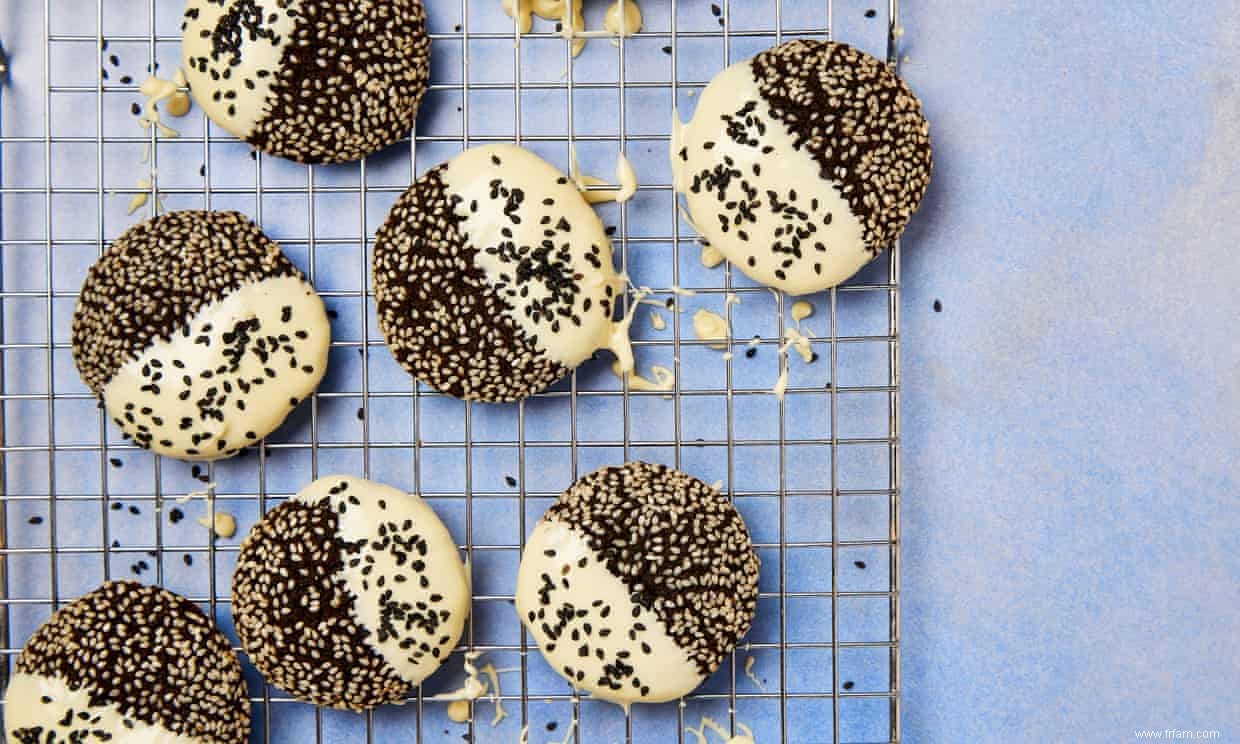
(623, 18)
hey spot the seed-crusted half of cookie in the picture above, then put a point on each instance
(128, 662)
(493, 276)
(198, 334)
(349, 594)
(315, 81)
(802, 164)
(638, 582)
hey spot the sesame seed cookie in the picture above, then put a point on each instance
(349, 594)
(128, 662)
(637, 583)
(198, 334)
(315, 81)
(802, 164)
(493, 277)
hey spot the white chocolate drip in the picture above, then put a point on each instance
(664, 378)
(623, 18)
(801, 310)
(711, 326)
(781, 170)
(711, 257)
(709, 724)
(626, 178)
(222, 524)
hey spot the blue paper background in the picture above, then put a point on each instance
(1071, 506)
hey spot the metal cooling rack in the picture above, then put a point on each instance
(816, 477)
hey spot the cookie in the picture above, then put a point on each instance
(315, 81)
(802, 164)
(637, 583)
(493, 277)
(349, 594)
(128, 663)
(198, 334)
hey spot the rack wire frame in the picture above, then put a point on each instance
(215, 597)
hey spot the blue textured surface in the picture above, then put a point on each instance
(1071, 507)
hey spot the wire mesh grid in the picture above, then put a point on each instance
(816, 475)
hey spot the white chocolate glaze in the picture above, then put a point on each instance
(664, 378)
(709, 724)
(222, 524)
(555, 553)
(189, 372)
(703, 143)
(574, 28)
(711, 326)
(711, 257)
(626, 178)
(367, 512)
(623, 18)
(801, 310)
(469, 176)
(749, 662)
(49, 705)
(257, 52)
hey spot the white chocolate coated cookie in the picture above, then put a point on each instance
(350, 593)
(804, 163)
(494, 277)
(316, 81)
(637, 583)
(198, 334)
(128, 663)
